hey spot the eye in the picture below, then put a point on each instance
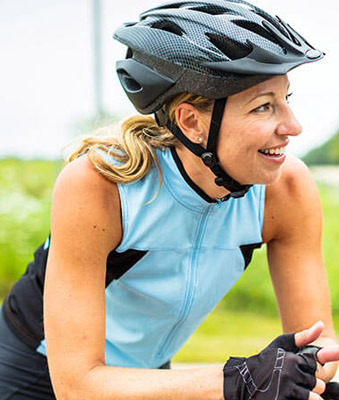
(263, 108)
(288, 97)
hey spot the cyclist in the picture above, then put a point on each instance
(152, 226)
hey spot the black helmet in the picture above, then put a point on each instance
(211, 48)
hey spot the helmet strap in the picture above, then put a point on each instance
(208, 155)
(210, 158)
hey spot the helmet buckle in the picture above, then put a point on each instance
(209, 159)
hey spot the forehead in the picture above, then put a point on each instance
(277, 84)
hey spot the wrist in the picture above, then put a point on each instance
(215, 377)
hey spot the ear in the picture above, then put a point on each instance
(190, 122)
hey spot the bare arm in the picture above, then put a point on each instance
(86, 226)
(292, 230)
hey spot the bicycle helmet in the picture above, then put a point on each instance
(211, 48)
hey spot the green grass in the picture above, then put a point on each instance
(244, 322)
(330, 207)
(225, 333)
(237, 333)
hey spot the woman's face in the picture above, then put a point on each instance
(255, 131)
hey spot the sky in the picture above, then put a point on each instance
(46, 70)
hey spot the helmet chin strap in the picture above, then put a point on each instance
(208, 155)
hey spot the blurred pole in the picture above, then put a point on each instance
(97, 23)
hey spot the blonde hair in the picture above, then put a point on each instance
(133, 143)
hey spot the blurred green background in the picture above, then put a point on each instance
(244, 321)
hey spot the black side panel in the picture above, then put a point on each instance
(247, 252)
(119, 263)
(23, 307)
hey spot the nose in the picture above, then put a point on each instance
(288, 124)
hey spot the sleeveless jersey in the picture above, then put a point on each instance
(180, 253)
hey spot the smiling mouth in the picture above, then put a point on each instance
(278, 152)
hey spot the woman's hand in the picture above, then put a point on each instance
(325, 356)
(280, 371)
(326, 368)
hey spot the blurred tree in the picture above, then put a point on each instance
(326, 154)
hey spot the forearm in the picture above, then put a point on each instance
(108, 383)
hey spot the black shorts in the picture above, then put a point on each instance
(23, 371)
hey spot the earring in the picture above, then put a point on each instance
(200, 139)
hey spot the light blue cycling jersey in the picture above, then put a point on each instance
(180, 254)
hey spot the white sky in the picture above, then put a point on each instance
(46, 69)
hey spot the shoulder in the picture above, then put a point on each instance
(81, 169)
(292, 202)
(80, 178)
(83, 198)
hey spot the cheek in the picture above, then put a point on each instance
(230, 137)
(243, 137)
(255, 137)
(238, 142)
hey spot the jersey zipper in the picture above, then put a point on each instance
(190, 287)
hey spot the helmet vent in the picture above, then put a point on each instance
(168, 26)
(290, 32)
(130, 84)
(255, 28)
(295, 40)
(129, 53)
(273, 21)
(232, 49)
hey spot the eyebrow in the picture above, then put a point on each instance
(261, 95)
(265, 94)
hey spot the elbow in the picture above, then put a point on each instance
(66, 389)
(80, 384)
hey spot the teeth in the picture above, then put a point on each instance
(280, 151)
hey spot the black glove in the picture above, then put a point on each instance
(276, 373)
(332, 391)
(332, 388)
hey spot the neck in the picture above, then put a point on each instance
(201, 175)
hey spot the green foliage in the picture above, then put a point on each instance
(25, 198)
(326, 154)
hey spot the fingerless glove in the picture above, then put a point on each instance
(276, 373)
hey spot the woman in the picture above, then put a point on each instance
(150, 229)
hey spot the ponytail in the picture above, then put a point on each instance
(133, 144)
